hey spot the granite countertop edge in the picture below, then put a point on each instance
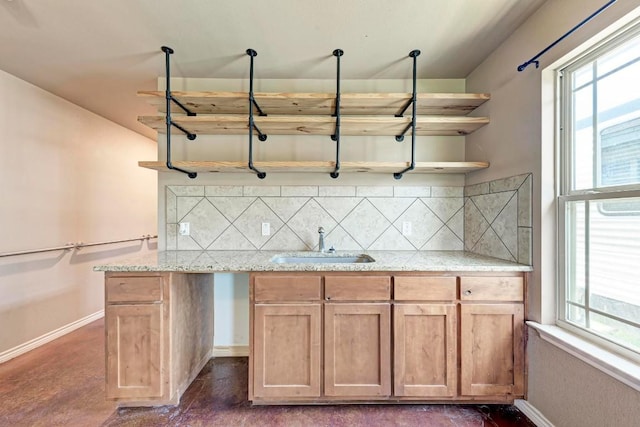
(261, 261)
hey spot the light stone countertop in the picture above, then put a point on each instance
(249, 261)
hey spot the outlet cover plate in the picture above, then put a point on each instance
(266, 229)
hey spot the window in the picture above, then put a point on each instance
(599, 193)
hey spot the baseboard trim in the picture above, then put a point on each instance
(532, 413)
(48, 337)
(231, 351)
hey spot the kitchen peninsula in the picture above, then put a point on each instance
(420, 326)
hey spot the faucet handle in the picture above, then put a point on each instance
(320, 230)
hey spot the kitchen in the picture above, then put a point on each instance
(84, 178)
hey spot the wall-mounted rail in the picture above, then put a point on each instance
(78, 245)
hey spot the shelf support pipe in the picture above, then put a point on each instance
(398, 175)
(336, 136)
(262, 137)
(168, 97)
(534, 60)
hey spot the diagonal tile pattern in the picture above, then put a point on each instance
(250, 223)
(206, 223)
(497, 218)
(392, 208)
(285, 207)
(424, 223)
(231, 207)
(285, 240)
(308, 219)
(365, 224)
(491, 218)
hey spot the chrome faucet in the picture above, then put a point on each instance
(321, 239)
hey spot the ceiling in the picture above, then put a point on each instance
(98, 54)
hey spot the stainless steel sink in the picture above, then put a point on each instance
(322, 259)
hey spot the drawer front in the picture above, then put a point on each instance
(492, 288)
(414, 288)
(134, 289)
(287, 288)
(357, 288)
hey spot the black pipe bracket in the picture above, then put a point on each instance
(398, 175)
(169, 98)
(262, 137)
(336, 135)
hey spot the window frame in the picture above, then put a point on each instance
(564, 172)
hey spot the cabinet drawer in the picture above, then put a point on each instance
(424, 288)
(492, 288)
(134, 289)
(287, 288)
(354, 288)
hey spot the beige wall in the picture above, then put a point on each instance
(518, 140)
(67, 175)
(571, 393)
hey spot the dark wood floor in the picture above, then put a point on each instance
(62, 384)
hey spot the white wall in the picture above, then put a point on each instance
(67, 175)
(231, 297)
(519, 139)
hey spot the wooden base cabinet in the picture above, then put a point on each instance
(491, 350)
(135, 340)
(425, 337)
(336, 337)
(287, 348)
(357, 340)
(492, 336)
(159, 335)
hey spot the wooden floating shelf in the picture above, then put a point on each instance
(362, 114)
(319, 167)
(320, 125)
(459, 104)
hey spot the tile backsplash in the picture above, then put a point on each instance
(491, 218)
(497, 218)
(354, 217)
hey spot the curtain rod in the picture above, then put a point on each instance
(534, 60)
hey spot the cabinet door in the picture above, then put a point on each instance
(357, 350)
(425, 362)
(286, 350)
(492, 349)
(134, 351)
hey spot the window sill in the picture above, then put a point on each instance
(611, 364)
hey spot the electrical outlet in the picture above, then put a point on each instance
(406, 228)
(266, 229)
(184, 229)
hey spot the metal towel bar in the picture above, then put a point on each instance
(78, 245)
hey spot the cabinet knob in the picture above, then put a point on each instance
(328, 297)
(467, 292)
